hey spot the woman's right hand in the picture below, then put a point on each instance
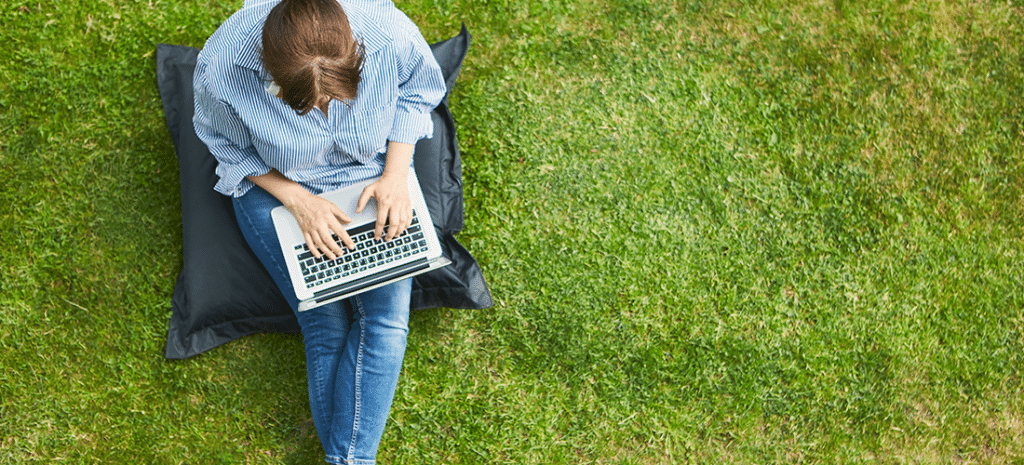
(318, 218)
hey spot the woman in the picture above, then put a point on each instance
(305, 96)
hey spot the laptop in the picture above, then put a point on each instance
(373, 263)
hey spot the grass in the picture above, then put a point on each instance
(716, 231)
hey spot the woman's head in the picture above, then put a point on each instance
(311, 53)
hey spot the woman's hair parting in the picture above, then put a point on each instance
(309, 50)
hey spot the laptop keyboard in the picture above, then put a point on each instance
(369, 255)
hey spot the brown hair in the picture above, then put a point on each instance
(310, 51)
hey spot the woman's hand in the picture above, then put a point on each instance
(393, 204)
(318, 218)
(392, 192)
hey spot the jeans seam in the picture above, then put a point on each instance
(358, 304)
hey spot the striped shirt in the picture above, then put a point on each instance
(249, 131)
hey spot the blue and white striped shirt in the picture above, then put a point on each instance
(250, 131)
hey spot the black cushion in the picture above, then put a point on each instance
(223, 292)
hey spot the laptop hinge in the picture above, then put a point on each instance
(371, 280)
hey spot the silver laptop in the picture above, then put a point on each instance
(374, 263)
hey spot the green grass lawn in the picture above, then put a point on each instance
(715, 231)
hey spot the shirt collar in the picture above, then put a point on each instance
(364, 27)
(250, 54)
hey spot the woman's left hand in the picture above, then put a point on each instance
(394, 206)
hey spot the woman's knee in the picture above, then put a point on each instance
(325, 328)
(386, 308)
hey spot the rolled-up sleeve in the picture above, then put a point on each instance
(220, 128)
(421, 87)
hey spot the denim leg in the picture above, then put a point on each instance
(354, 348)
(369, 370)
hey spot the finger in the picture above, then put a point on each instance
(407, 218)
(327, 245)
(347, 241)
(343, 219)
(382, 220)
(396, 223)
(343, 237)
(312, 245)
(364, 198)
(341, 216)
(338, 249)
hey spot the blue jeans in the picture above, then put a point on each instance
(354, 347)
